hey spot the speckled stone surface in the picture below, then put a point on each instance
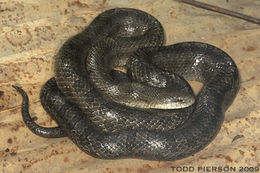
(31, 32)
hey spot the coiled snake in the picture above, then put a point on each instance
(84, 97)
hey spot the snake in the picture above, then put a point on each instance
(92, 103)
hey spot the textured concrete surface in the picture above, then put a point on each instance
(31, 32)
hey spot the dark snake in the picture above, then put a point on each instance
(107, 129)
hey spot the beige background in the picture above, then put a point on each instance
(31, 32)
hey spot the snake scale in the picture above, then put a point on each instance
(108, 129)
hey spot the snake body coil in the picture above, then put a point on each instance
(107, 129)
